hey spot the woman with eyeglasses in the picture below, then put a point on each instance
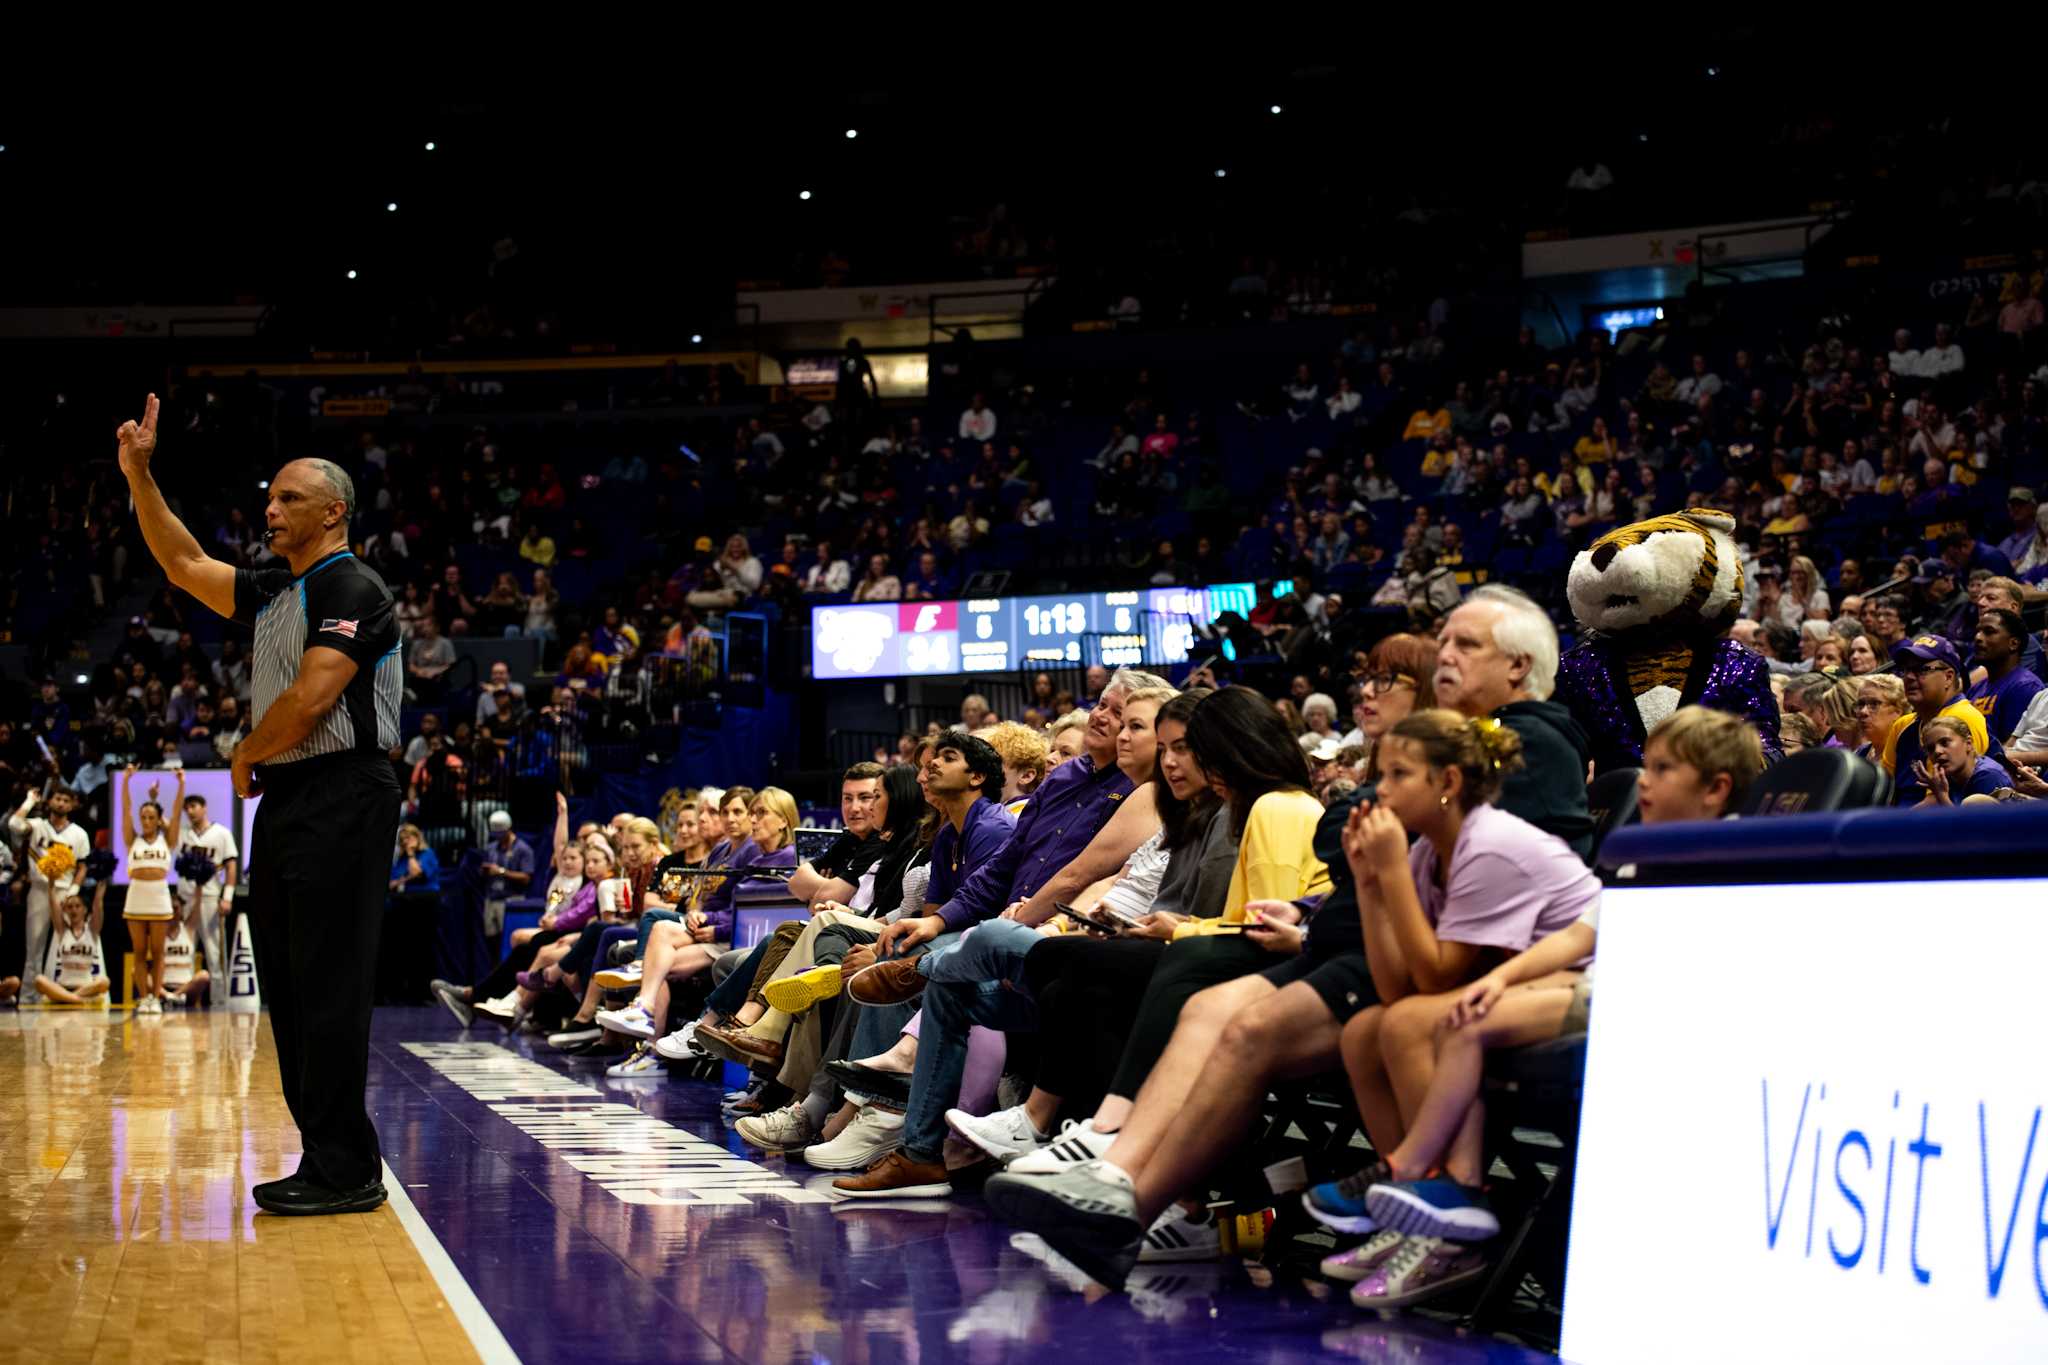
(1395, 672)
(1880, 701)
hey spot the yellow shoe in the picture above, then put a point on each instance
(795, 994)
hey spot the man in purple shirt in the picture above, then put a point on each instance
(2008, 689)
(1069, 809)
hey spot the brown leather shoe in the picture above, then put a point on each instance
(735, 1044)
(896, 1176)
(754, 1048)
(887, 983)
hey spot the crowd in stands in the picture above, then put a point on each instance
(1071, 973)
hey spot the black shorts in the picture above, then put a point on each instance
(1341, 979)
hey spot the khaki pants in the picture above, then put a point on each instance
(804, 1046)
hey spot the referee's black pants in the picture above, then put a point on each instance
(321, 855)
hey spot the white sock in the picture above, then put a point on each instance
(1115, 1174)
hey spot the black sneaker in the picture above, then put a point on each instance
(882, 1085)
(305, 1200)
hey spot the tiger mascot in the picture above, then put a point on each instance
(1654, 602)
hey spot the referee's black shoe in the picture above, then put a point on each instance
(302, 1198)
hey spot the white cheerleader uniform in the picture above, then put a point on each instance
(150, 900)
(75, 960)
(177, 964)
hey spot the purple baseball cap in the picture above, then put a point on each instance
(1931, 649)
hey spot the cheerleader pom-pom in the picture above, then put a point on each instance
(57, 862)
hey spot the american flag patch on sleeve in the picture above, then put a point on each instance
(345, 629)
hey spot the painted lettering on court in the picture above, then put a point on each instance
(636, 1157)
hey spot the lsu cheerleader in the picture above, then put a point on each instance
(148, 910)
(75, 973)
(181, 981)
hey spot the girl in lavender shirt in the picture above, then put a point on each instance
(1477, 886)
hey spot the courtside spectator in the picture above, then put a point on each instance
(2008, 689)
(1952, 770)
(1932, 674)
(1498, 658)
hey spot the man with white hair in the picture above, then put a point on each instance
(1498, 657)
(1904, 358)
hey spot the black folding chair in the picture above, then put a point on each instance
(1815, 780)
(1531, 1092)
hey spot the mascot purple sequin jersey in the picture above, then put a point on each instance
(1655, 600)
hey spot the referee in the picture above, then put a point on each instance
(326, 679)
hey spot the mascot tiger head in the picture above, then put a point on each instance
(1679, 574)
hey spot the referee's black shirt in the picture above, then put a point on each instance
(340, 603)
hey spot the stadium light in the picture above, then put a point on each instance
(1276, 109)
(1220, 172)
(391, 207)
(696, 338)
(1713, 71)
(82, 678)
(351, 274)
(852, 133)
(263, 483)
(803, 194)
(430, 146)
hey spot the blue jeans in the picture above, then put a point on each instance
(992, 951)
(648, 919)
(725, 1000)
(950, 1010)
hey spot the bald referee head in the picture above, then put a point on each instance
(311, 505)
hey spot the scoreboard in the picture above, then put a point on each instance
(1000, 634)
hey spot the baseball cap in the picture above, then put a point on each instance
(1327, 750)
(2019, 494)
(1931, 649)
(1933, 569)
(500, 821)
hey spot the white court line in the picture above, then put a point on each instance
(491, 1346)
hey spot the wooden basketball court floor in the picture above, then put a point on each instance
(127, 1149)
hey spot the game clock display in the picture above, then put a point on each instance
(1000, 634)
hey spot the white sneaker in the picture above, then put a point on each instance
(873, 1134)
(634, 1020)
(1174, 1236)
(504, 1007)
(1005, 1135)
(643, 1060)
(779, 1130)
(626, 978)
(681, 1046)
(1077, 1142)
(574, 1034)
(149, 1004)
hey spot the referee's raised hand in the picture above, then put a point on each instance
(138, 440)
